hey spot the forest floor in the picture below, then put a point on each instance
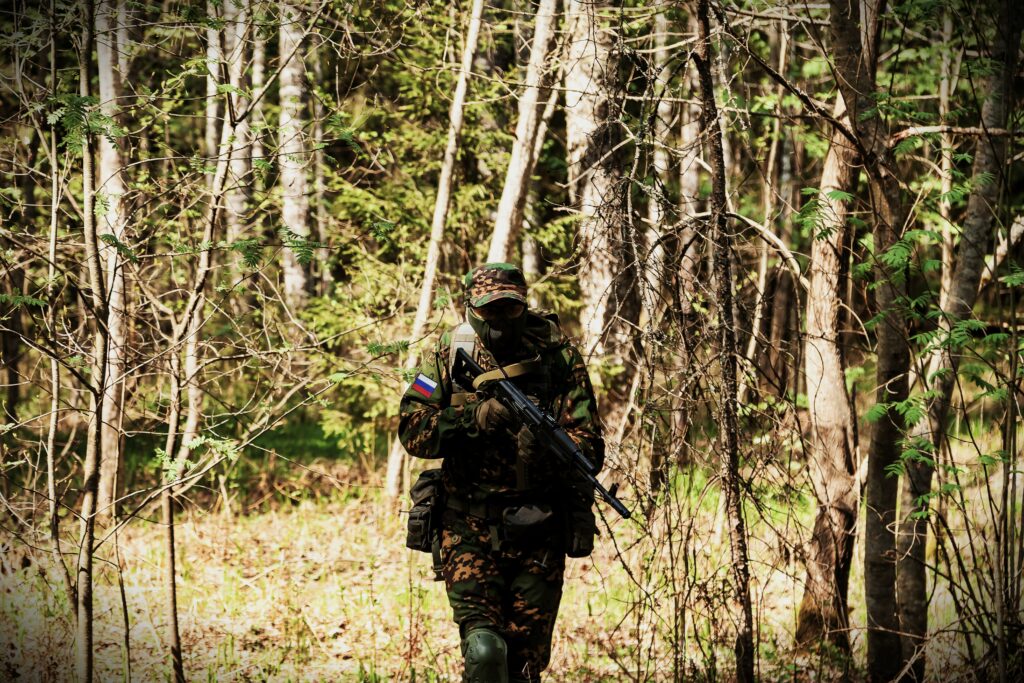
(323, 589)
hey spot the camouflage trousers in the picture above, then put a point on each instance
(513, 591)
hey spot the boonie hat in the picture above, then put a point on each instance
(493, 281)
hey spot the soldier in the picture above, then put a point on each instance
(511, 515)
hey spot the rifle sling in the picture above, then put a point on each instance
(510, 371)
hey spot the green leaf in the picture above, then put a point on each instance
(895, 469)
(251, 251)
(391, 348)
(123, 249)
(1015, 278)
(994, 458)
(301, 246)
(839, 196)
(22, 300)
(877, 412)
(381, 230)
(262, 167)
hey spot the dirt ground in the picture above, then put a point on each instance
(325, 591)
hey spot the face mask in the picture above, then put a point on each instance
(500, 336)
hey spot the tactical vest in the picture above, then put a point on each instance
(464, 337)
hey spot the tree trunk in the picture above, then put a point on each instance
(776, 365)
(853, 42)
(213, 58)
(779, 40)
(607, 276)
(659, 206)
(322, 220)
(396, 456)
(10, 340)
(259, 56)
(945, 359)
(113, 222)
(91, 469)
(729, 427)
(293, 157)
(51, 325)
(683, 276)
(236, 33)
(167, 513)
(689, 242)
(946, 160)
(188, 326)
(823, 612)
(509, 219)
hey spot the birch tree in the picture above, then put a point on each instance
(112, 222)
(509, 218)
(213, 66)
(607, 276)
(658, 205)
(853, 31)
(832, 456)
(237, 43)
(943, 361)
(728, 409)
(91, 466)
(293, 157)
(396, 456)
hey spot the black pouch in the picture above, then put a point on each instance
(526, 524)
(580, 522)
(423, 526)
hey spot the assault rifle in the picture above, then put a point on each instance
(547, 430)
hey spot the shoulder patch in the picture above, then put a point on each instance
(423, 385)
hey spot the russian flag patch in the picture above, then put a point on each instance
(424, 386)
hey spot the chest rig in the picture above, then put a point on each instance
(533, 380)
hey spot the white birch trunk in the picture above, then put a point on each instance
(110, 185)
(213, 58)
(531, 249)
(293, 157)
(323, 270)
(947, 165)
(236, 34)
(689, 194)
(396, 456)
(259, 57)
(653, 261)
(509, 218)
(587, 82)
(91, 467)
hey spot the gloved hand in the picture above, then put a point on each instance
(491, 416)
(527, 446)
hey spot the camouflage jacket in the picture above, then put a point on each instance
(431, 427)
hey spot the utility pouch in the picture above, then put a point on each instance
(580, 523)
(423, 526)
(524, 524)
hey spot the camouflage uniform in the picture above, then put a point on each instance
(510, 586)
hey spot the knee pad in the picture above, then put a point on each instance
(486, 657)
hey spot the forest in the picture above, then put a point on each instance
(785, 236)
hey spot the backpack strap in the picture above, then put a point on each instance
(463, 337)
